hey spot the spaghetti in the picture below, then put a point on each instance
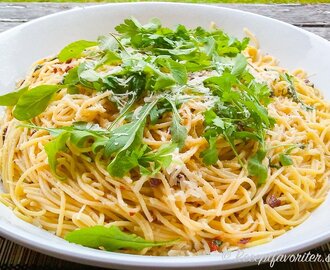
(207, 207)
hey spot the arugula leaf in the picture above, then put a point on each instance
(221, 84)
(248, 135)
(71, 78)
(210, 155)
(159, 79)
(149, 162)
(75, 49)
(210, 46)
(110, 58)
(130, 27)
(293, 92)
(123, 139)
(137, 33)
(238, 113)
(123, 163)
(86, 74)
(216, 126)
(178, 131)
(285, 160)
(239, 65)
(34, 101)
(161, 107)
(154, 115)
(89, 78)
(195, 46)
(256, 168)
(124, 111)
(260, 91)
(78, 137)
(77, 134)
(163, 81)
(82, 132)
(177, 69)
(11, 99)
(166, 56)
(53, 147)
(108, 43)
(111, 239)
(127, 159)
(89, 75)
(123, 136)
(259, 111)
(125, 145)
(209, 116)
(156, 160)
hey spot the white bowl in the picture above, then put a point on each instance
(294, 48)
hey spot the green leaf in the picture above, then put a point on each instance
(127, 159)
(117, 85)
(247, 135)
(72, 77)
(158, 159)
(77, 134)
(82, 132)
(126, 136)
(130, 27)
(285, 160)
(237, 114)
(256, 168)
(293, 92)
(124, 111)
(179, 132)
(99, 143)
(259, 110)
(110, 58)
(163, 81)
(224, 82)
(136, 84)
(122, 164)
(239, 65)
(178, 71)
(111, 239)
(261, 91)
(209, 116)
(89, 75)
(126, 144)
(210, 46)
(78, 137)
(11, 99)
(89, 78)
(159, 110)
(52, 131)
(210, 155)
(71, 80)
(122, 137)
(53, 147)
(75, 49)
(108, 43)
(218, 122)
(34, 101)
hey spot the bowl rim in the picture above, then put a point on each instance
(127, 261)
